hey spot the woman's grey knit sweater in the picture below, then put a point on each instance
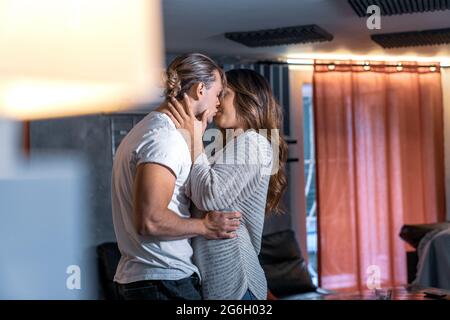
(237, 179)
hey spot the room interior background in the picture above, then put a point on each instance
(399, 161)
(341, 174)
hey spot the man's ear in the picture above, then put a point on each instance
(198, 90)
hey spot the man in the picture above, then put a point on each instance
(150, 209)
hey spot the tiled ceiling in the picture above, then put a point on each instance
(200, 25)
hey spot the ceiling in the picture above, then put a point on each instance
(199, 26)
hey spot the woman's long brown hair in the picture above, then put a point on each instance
(257, 108)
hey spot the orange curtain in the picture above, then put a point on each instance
(380, 164)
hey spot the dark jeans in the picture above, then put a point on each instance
(184, 289)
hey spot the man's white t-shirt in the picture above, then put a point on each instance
(154, 139)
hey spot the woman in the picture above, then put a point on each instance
(239, 178)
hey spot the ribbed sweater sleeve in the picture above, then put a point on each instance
(235, 171)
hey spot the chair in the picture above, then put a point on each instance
(286, 270)
(108, 258)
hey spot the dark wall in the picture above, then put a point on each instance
(96, 137)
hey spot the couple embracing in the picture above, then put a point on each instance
(188, 224)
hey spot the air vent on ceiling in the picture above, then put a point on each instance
(413, 38)
(280, 36)
(394, 7)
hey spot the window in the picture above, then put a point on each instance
(310, 180)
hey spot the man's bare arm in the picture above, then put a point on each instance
(152, 191)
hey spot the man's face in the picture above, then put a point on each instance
(210, 100)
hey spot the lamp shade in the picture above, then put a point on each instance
(73, 57)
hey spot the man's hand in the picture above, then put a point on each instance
(221, 225)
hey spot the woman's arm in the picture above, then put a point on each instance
(217, 186)
(185, 121)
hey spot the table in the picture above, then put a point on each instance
(396, 293)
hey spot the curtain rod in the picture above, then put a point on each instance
(372, 65)
(354, 65)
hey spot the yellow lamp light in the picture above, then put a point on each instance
(72, 57)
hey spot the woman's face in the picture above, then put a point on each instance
(226, 117)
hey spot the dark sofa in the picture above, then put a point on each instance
(413, 234)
